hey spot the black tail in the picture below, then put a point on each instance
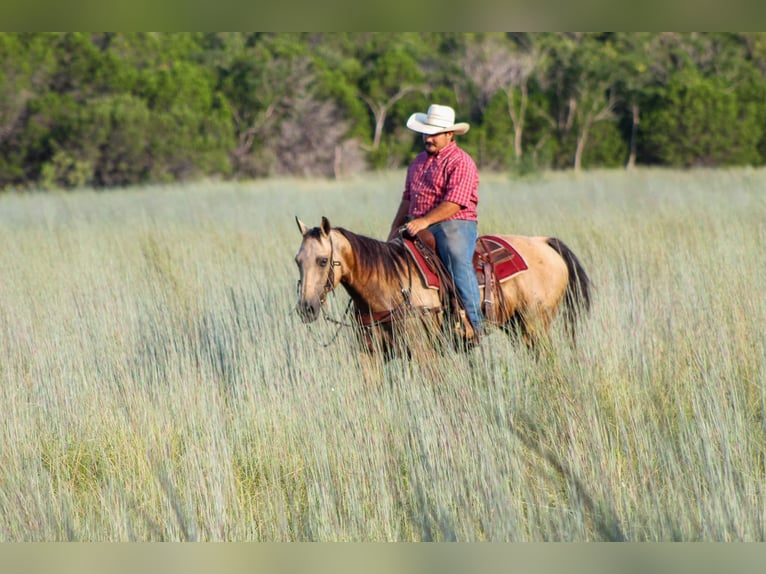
(577, 294)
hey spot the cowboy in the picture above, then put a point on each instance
(441, 195)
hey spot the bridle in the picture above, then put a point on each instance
(329, 287)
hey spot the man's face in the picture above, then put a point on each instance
(437, 142)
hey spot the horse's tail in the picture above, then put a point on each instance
(577, 294)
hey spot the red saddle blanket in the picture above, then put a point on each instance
(490, 250)
(500, 255)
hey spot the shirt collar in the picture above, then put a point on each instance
(445, 151)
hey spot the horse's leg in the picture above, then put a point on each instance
(514, 327)
(371, 366)
(515, 319)
(536, 327)
(375, 343)
(530, 327)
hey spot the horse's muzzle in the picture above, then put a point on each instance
(309, 312)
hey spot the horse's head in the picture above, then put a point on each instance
(316, 266)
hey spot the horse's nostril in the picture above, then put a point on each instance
(307, 311)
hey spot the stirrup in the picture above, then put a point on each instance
(463, 328)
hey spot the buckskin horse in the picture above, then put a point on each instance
(523, 282)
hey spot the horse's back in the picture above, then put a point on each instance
(544, 282)
(536, 251)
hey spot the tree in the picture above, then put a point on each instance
(284, 109)
(389, 72)
(641, 64)
(110, 109)
(702, 121)
(392, 76)
(579, 72)
(121, 109)
(26, 64)
(754, 44)
(255, 83)
(495, 64)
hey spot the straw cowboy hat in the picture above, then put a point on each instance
(439, 119)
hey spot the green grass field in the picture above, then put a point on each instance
(157, 385)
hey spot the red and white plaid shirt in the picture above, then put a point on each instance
(449, 175)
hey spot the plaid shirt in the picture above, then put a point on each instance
(450, 175)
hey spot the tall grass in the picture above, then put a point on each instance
(157, 385)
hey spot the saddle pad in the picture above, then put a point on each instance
(430, 278)
(504, 258)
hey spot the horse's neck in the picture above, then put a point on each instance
(367, 286)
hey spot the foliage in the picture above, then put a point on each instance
(703, 121)
(607, 148)
(115, 109)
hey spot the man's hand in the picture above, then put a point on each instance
(441, 212)
(416, 225)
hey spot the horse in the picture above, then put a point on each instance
(393, 304)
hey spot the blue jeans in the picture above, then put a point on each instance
(455, 244)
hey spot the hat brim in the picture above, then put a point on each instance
(417, 124)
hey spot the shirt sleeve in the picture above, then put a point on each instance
(411, 171)
(407, 182)
(462, 181)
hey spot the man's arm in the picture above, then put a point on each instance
(399, 218)
(444, 210)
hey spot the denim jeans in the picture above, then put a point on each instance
(455, 244)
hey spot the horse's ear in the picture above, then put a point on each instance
(301, 226)
(326, 225)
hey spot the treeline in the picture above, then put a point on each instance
(115, 109)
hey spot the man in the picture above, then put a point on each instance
(441, 194)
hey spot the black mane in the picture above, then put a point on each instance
(388, 257)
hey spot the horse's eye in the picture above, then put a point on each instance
(322, 261)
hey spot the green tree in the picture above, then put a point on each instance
(256, 82)
(389, 78)
(286, 108)
(122, 109)
(26, 64)
(641, 67)
(579, 71)
(191, 133)
(389, 72)
(496, 63)
(110, 109)
(752, 83)
(700, 121)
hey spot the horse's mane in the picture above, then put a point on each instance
(390, 258)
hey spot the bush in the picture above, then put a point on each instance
(605, 146)
(701, 121)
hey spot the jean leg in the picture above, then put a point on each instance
(455, 244)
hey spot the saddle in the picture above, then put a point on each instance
(495, 261)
